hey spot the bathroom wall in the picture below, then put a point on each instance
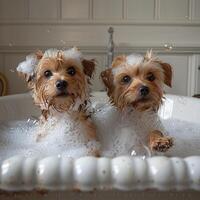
(170, 27)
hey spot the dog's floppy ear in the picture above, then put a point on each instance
(167, 69)
(107, 78)
(27, 68)
(39, 54)
(118, 60)
(167, 73)
(88, 67)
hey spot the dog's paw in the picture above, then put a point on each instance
(95, 153)
(161, 144)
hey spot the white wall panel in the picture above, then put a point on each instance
(140, 9)
(174, 9)
(16, 9)
(179, 65)
(198, 73)
(53, 36)
(198, 82)
(107, 9)
(43, 9)
(86, 35)
(75, 9)
(16, 84)
(196, 14)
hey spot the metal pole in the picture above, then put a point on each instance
(110, 53)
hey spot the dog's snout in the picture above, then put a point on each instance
(61, 85)
(144, 91)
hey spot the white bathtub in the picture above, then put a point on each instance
(88, 173)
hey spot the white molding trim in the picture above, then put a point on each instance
(91, 14)
(156, 10)
(191, 82)
(124, 9)
(193, 64)
(193, 10)
(197, 65)
(190, 9)
(100, 22)
(59, 9)
(103, 49)
(27, 4)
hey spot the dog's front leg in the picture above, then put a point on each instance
(159, 142)
(42, 131)
(87, 124)
(90, 129)
(91, 132)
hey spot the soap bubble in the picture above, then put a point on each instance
(10, 44)
(133, 153)
(63, 42)
(140, 150)
(48, 30)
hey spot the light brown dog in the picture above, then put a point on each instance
(60, 83)
(136, 82)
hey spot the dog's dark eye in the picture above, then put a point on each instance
(71, 71)
(48, 73)
(151, 77)
(126, 79)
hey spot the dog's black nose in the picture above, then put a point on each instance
(61, 85)
(144, 91)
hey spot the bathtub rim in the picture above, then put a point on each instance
(89, 173)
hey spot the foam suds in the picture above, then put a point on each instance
(134, 59)
(28, 66)
(125, 133)
(63, 139)
(19, 137)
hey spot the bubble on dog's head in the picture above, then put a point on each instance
(137, 81)
(59, 79)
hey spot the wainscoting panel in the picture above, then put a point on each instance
(43, 9)
(198, 75)
(196, 10)
(108, 9)
(179, 65)
(185, 12)
(16, 83)
(140, 9)
(79, 9)
(16, 9)
(174, 10)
